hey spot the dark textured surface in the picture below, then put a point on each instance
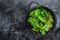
(12, 20)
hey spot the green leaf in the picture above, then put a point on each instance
(42, 32)
(37, 12)
(32, 13)
(42, 19)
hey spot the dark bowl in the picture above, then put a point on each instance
(29, 26)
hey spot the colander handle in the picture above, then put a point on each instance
(29, 6)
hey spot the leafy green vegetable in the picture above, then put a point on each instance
(32, 13)
(37, 12)
(41, 20)
(42, 31)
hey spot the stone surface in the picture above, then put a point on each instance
(12, 20)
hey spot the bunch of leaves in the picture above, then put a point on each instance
(41, 20)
